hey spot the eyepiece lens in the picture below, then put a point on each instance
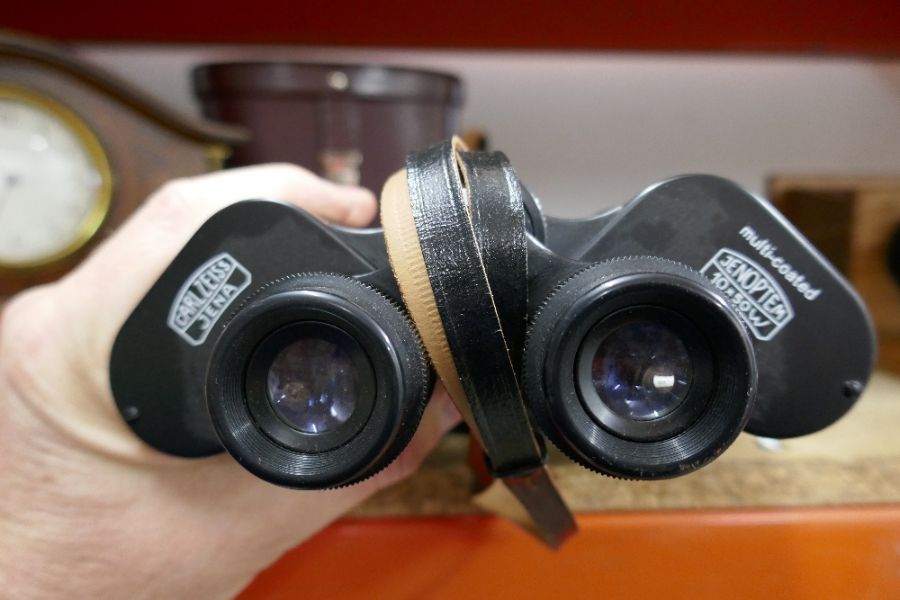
(642, 370)
(313, 385)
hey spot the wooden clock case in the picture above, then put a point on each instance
(145, 142)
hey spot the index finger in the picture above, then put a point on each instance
(121, 271)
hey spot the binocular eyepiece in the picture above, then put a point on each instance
(638, 368)
(318, 381)
(641, 341)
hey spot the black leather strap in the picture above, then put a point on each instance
(470, 222)
(498, 220)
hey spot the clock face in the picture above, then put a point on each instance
(54, 181)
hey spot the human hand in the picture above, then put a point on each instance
(86, 508)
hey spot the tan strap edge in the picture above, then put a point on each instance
(408, 265)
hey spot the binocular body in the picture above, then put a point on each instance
(656, 332)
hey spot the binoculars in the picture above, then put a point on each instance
(641, 341)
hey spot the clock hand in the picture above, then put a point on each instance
(10, 180)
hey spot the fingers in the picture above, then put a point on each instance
(440, 417)
(151, 238)
(123, 269)
(81, 314)
(334, 203)
(304, 513)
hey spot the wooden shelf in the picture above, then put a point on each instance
(868, 26)
(855, 461)
(818, 520)
(802, 554)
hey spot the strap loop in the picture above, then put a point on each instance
(464, 280)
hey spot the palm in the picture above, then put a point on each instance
(108, 500)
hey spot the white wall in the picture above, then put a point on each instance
(587, 130)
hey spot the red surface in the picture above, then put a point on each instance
(871, 26)
(802, 554)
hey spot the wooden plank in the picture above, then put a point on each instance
(855, 461)
(852, 220)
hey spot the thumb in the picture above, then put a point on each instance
(343, 204)
(348, 205)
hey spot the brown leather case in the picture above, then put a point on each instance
(349, 123)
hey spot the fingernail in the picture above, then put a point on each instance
(450, 417)
(362, 210)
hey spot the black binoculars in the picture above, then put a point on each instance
(644, 339)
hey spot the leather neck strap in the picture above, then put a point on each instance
(454, 225)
